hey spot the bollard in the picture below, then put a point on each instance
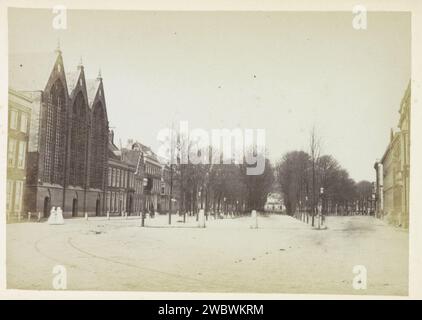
(201, 218)
(126, 215)
(142, 215)
(39, 216)
(29, 216)
(86, 215)
(108, 215)
(254, 221)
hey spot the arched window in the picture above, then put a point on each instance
(99, 139)
(55, 123)
(78, 142)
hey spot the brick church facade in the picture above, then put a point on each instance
(68, 140)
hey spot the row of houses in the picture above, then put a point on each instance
(61, 151)
(392, 171)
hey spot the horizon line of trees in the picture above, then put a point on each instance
(310, 182)
(216, 188)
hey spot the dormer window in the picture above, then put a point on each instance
(58, 68)
(80, 81)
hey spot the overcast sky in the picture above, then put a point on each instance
(283, 72)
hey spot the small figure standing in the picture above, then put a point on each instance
(52, 217)
(59, 215)
(56, 216)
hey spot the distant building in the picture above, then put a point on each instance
(67, 149)
(392, 187)
(152, 177)
(120, 181)
(155, 177)
(17, 146)
(274, 203)
(135, 191)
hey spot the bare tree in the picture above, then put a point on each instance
(315, 149)
(364, 192)
(292, 177)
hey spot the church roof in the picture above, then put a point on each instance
(72, 80)
(92, 86)
(31, 71)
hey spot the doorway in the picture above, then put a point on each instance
(130, 205)
(75, 207)
(46, 211)
(97, 208)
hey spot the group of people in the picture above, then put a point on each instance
(56, 216)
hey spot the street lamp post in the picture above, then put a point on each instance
(200, 199)
(321, 194)
(300, 210)
(173, 202)
(306, 217)
(145, 183)
(374, 204)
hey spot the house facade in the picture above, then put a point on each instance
(17, 146)
(392, 187)
(124, 190)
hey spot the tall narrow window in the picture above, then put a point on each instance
(24, 123)
(99, 140)
(18, 195)
(113, 199)
(55, 138)
(11, 152)
(118, 178)
(114, 178)
(21, 154)
(9, 192)
(109, 177)
(13, 120)
(78, 141)
(108, 201)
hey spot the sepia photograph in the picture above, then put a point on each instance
(261, 152)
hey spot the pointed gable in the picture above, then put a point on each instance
(72, 79)
(92, 86)
(76, 84)
(95, 92)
